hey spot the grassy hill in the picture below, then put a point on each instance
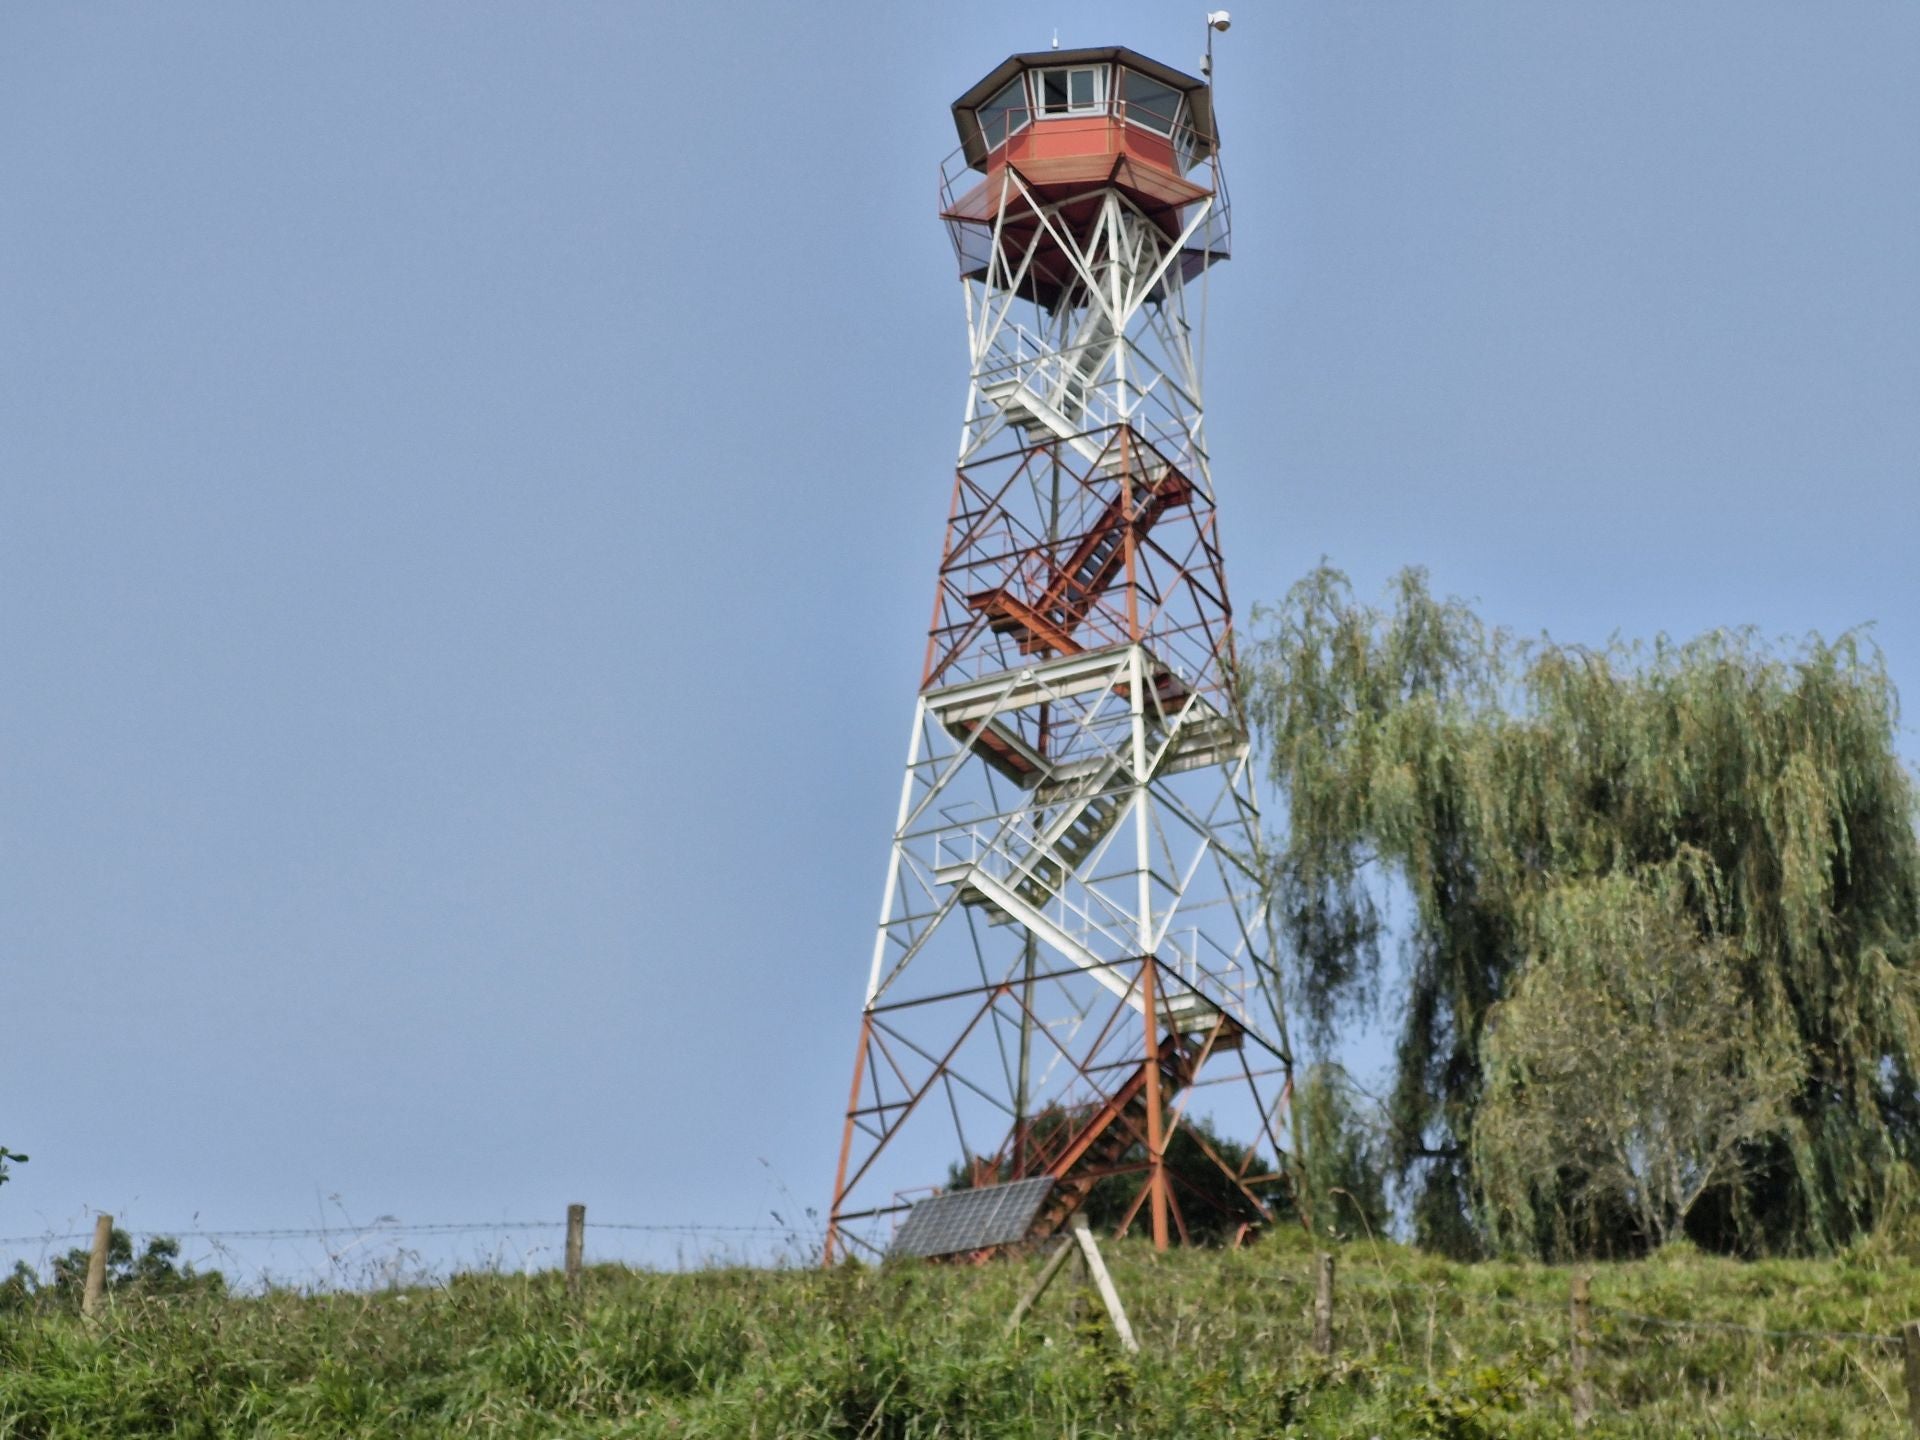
(1425, 1348)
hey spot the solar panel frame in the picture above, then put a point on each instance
(978, 1219)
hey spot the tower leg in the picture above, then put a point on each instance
(1156, 1136)
(846, 1141)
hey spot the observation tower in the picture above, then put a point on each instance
(1073, 956)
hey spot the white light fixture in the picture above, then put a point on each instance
(1216, 20)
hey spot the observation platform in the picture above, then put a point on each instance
(1049, 134)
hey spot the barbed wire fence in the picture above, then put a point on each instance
(1588, 1342)
(388, 1251)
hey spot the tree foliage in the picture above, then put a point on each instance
(1626, 1075)
(1753, 796)
(1212, 1207)
(155, 1271)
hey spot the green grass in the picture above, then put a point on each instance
(1426, 1348)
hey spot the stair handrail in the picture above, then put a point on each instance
(1015, 866)
(1053, 381)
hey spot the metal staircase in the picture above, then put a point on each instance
(1098, 1145)
(1073, 836)
(1182, 1009)
(1047, 621)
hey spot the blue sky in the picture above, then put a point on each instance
(471, 478)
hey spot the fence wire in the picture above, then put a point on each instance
(446, 1227)
(348, 1256)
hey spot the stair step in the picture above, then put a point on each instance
(1048, 623)
(1118, 1130)
(1188, 1011)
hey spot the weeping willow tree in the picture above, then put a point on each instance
(1750, 799)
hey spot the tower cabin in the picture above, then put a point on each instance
(1052, 131)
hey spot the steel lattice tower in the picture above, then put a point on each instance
(1073, 944)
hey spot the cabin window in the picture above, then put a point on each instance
(1072, 90)
(1004, 113)
(1148, 103)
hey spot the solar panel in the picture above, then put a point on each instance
(962, 1220)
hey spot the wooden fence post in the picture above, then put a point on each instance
(1323, 1310)
(96, 1291)
(1580, 1312)
(1910, 1342)
(576, 1244)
